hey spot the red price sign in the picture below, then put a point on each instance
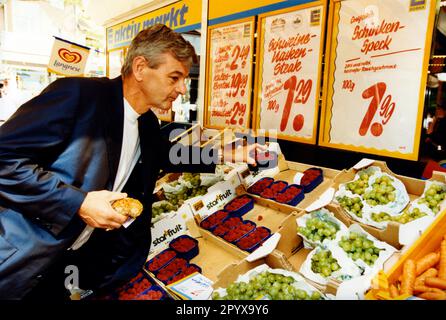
(237, 114)
(238, 83)
(230, 68)
(298, 92)
(386, 106)
(239, 54)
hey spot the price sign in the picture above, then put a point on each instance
(374, 97)
(230, 71)
(289, 69)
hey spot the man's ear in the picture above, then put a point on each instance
(138, 66)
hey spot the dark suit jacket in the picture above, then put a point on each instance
(53, 150)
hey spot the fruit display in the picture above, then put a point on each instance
(382, 192)
(311, 179)
(358, 186)
(171, 269)
(433, 196)
(240, 205)
(353, 205)
(152, 293)
(317, 230)
(192, 180)
(214, 219)
(160, 260)
(134, 287)
(177, 199)
(162, 207)
(254, 239)
(292, 195)
(239, 231)
(227, 225)
(405, 217)
(185, 246)
(191, 268)
(260, 185)
(274, 189)
(323, 263)
(357, 246)
(272, 286)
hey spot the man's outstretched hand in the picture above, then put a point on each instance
(97, 211)
(243, 153)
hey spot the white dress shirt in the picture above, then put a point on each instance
(130, 152)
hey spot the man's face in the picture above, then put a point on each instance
(161, 86)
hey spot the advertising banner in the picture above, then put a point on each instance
(378, 57)
(230, 75)
(289, 71)
(68, 58)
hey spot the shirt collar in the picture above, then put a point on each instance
(130, 113)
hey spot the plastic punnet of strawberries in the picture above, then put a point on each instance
(309, 176)
(150, 295)
(171, 269)
(160, 260)
(183, 244)
(189, 270)
(214, 219)
(237, 203)
(133, 289)
(274, 189)
(288, 195)
(260, 185)
(255, 237)
(239, 231)
(227, 225)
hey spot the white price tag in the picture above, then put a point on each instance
(193, 287)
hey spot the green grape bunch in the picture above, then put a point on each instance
(266, 284)
(318, 230)
(353, 205)
(382, 192)
(178, 199)
(357, 246)
(162, 208)
(433, 196)
(192, 178)
(405, 217)
(323, 263)
(358, 186)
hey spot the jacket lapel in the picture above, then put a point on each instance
(114, 118)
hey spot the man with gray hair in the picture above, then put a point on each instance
(67, 154)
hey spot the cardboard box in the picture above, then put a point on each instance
(288, 171)
(415, 187)
(269, 214)
(292, 247)
(214, 258)
(428, 242)
(275, 260)
(170, 227)
(217, 196)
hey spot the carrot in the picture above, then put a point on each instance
(408, 281)
(433, 295)
(431, 272)
(436, 283)
(442, 265)
(426, 262)
(394, 291)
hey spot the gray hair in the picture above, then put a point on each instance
(154, 41)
